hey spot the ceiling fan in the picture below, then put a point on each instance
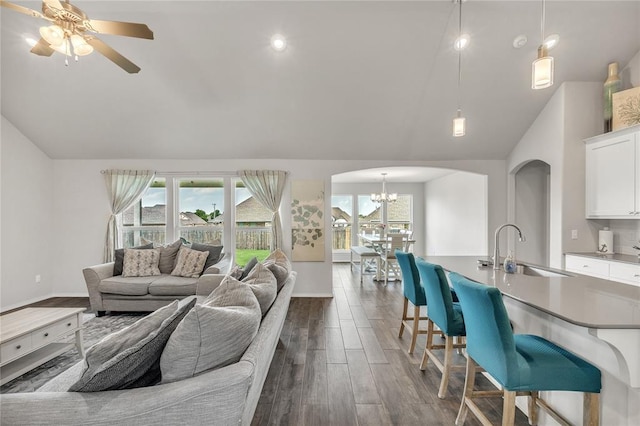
(70, 31)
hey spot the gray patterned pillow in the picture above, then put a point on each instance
(119, 257)
(130, 358)
(190, 263)
(140, 263)
(264, 285)
(248, 267)
(213, 334)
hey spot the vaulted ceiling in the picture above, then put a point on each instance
(359, 80)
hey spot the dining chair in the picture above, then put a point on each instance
(388, 255)
(446, 314)
(414, 293)
(522, 364)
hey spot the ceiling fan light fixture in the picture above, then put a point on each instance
(80, 45)
(53, 34)
(64, 48)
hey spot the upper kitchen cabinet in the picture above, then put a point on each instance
(613, 175)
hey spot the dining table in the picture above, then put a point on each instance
(379, 242)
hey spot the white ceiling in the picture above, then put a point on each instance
(394, 175)
(360, 80)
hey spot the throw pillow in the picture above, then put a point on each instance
(214, 252)
(264, 285)
(213, 334)
(248, 267)
(279, 265)
(119, 258)
(130, 358)
(236, 272)
(190, 263)
(168, 255)
(140, 263)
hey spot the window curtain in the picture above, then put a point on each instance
(267, 187)
(124, 188)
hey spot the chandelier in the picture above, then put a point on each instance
(384, 196)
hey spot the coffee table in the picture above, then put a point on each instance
(32, 336)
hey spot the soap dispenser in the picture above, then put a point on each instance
(509, 263)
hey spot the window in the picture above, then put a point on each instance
(200, 203)
(252, 227)
(368, 215)
(341, 221)
(399, 214)
(146, 220)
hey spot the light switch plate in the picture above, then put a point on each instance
(574, 234)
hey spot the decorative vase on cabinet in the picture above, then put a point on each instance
(612, 85)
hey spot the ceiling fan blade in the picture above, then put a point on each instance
(129, 29)
(112, 55)
(42, 48)
(54, 4)
(22, 9)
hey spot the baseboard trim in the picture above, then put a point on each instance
(323, 295)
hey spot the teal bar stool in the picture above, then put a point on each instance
(447, 315)
(414, 293)
(521, 363)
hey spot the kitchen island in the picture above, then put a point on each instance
(595, 318)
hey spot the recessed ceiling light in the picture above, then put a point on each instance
(278, 42)
(462, 42)
(551, 41)
(520, 41)
(30, 41)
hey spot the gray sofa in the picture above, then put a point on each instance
(139, 294)
(225, 396)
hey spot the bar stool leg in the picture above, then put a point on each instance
(591, 409)
(416, 325)
(448, 353)
(533, 408)
(404, 316)
(469, 383)
(509, 408)
(428, 345)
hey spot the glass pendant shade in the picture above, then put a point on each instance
(542, 70)
(53, 34)
(64, 48)
(459, 125)
(383, 196)
(80, 46)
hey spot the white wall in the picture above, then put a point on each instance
(68, 198)
(556, 137)
(532, 212)
(457, 215)
(26, 220)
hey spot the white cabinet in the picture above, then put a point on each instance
(623, 272)
(584, 265)
(613, 175)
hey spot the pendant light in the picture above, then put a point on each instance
(542, 68)
(384, 196)
(459, 122)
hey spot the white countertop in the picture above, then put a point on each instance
(625, 258)
(579, 299)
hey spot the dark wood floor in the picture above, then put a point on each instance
(340, 362)
(57, 302)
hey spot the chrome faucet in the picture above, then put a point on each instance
(496, 248)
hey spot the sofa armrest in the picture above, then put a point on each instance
(217, 395)
(92, 277)
(208, 283)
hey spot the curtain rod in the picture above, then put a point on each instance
(192, 173)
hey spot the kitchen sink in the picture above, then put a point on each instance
(536, 271)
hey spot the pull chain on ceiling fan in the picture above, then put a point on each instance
(70, 32)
